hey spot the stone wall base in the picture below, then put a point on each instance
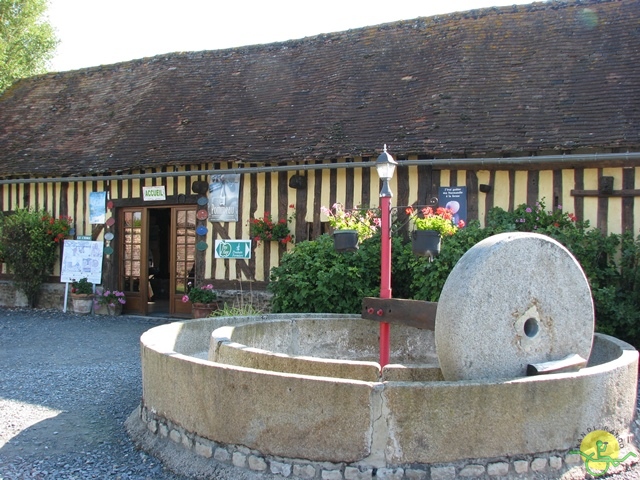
(52, 297)
(155, 434)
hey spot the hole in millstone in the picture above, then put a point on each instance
(531, 327)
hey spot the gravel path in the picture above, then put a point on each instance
(67, 385)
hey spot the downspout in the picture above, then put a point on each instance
(628, 159)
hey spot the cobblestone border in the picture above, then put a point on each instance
(550, 465)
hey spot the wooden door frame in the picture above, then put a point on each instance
(136, 301)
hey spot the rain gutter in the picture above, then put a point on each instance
(628, 159)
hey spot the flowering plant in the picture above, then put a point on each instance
(110, 298)
(529, 219)
(440, 220)
(204, 294)
(56, 228)
(82, 287)
(363, 220)
(265, 229)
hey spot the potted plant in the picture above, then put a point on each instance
(113, 300)
(203, 300)
(266, 230)
(430, 226)
(82, 296)
(351, 227)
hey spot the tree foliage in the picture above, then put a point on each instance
(29, 245)
(27, 41)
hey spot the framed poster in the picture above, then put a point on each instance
(223, 198)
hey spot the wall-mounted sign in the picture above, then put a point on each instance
(454, 198)
(84, 237)
(233, 249)
(153, 193)
(97, 207)
(223, 198)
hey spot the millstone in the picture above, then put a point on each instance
(513, 299)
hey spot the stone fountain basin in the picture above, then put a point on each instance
(308, 387)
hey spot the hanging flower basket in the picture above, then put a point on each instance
(425, 243)
(345, 240)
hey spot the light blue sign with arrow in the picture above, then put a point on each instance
(238, 249)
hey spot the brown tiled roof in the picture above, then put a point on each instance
(558, 75)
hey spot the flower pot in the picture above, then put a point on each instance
(203, 310)
(425, 243)
(116, 309)
(82, 303)
(345, 240)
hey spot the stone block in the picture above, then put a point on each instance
(390, 473)
(415, 474)
(472, 471)
(443, 473)
(538, 464)
(175, 435)
(354, 473)
(221, 455)
(281, 468)
(521, 466)
(555, 462)
(239, 459)
(257, 463)
(204, 450)
(152, 425)
(306, 472)
(331, 475)
(187, 440)
(164, 430)
(573, 459)
(498, 469)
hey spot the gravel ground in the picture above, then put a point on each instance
(67, 385)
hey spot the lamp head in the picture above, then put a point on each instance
(385, 165)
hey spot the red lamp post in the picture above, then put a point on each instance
(385, 165)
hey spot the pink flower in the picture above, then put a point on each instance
(185, 298)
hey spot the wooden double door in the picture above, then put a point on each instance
(157, 258)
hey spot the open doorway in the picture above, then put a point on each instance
(159, 257)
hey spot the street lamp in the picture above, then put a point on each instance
(386, 166)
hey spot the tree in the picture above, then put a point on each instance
(27, 41)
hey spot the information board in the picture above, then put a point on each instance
(82, 259)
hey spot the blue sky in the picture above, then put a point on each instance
(100, 32)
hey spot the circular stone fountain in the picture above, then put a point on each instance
(303, 396)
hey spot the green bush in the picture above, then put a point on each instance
(314, 278)
(29, 242)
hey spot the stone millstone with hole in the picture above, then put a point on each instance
(513, 299)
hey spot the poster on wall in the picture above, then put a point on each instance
(97, 207)
(454, 198)
(223, 197)
(81, 259)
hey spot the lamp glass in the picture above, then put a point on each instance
(386, 166)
